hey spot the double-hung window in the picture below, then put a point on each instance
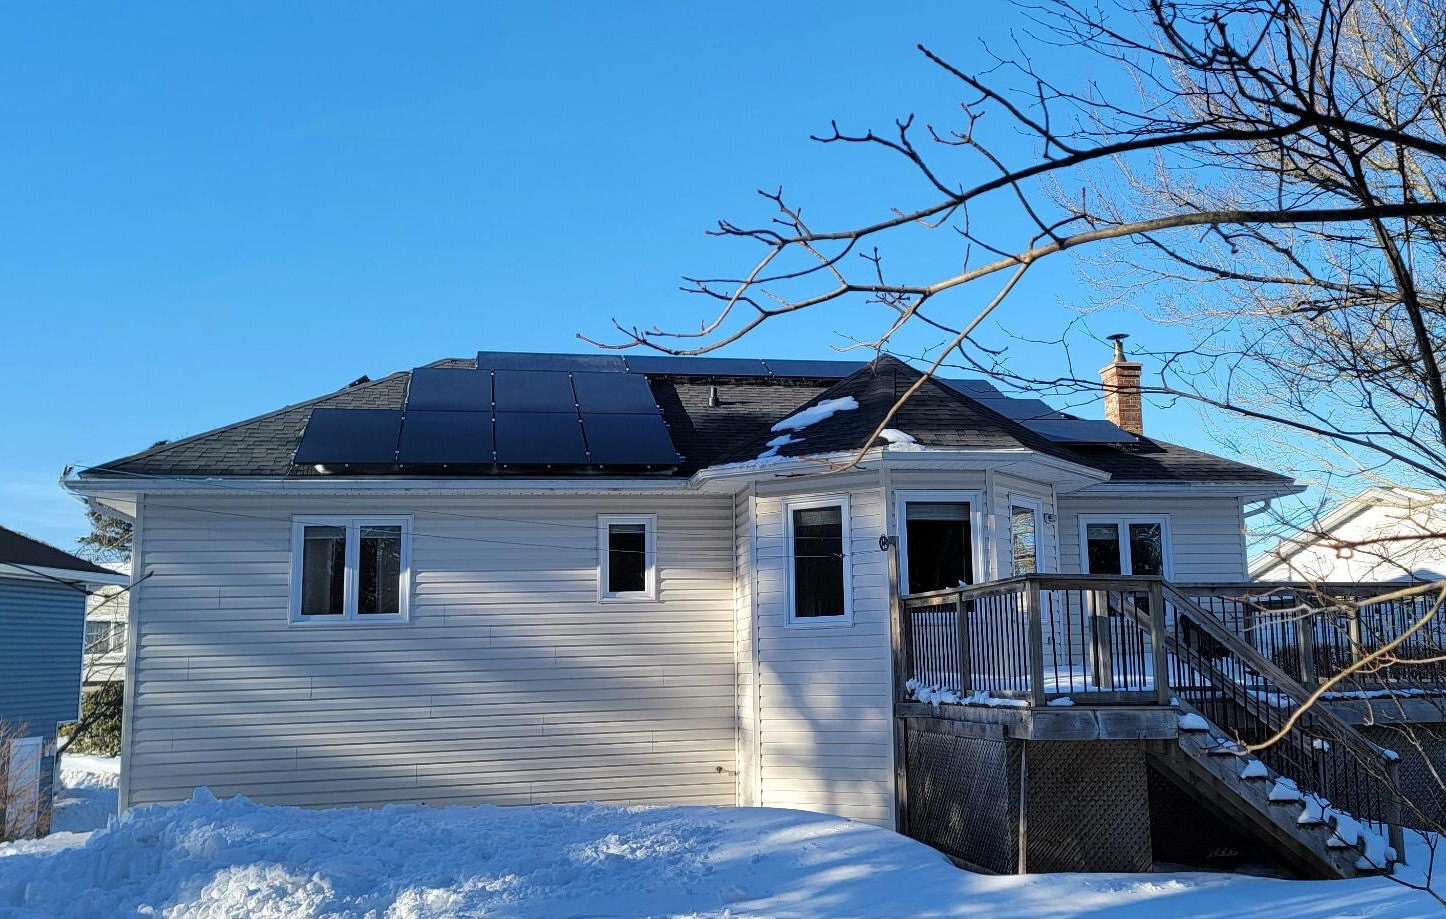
(817, 535)
(627, 557)
(350, 569)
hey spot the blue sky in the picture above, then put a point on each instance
(209, 210)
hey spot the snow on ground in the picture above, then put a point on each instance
(209, 858)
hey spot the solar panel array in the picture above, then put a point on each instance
(1040, 418)
(557, 410)
(581, 410)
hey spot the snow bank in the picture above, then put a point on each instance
(816, 413)
(211, 859)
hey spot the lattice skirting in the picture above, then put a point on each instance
(1086, 806)
(963, 795)
(1422, 748)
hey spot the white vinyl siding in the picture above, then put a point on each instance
(825, 736)
(1206, 539)
(511, 683)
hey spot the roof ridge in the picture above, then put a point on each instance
(161, 448)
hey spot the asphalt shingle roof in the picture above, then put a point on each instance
(19, 549)
(737, 427)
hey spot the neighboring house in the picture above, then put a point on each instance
(106, 612)
(524, 578)
(42, 615)
(1381, 534)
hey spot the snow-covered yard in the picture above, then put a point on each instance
(232, 858)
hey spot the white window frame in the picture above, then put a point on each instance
(978, 536)
(1037, 506)
(1124, 521)
(352, 524)
(840, 620)
(650, 560)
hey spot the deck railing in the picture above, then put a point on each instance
(1038, 638)
(1315, 631)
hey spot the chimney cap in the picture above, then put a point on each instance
(1119, 339)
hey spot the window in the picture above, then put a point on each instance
(627, 557)
(1024, 529)
(939, 545)
(1125, 545)
(817, 534)
(350, 569)
(98, 638)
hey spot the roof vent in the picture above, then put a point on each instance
(713, 401)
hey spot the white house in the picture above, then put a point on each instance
(1382, 534)
(525, 578)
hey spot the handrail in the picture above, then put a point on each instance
(1258, 662)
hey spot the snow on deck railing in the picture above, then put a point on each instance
(1036, 637)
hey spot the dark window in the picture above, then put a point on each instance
(1024, 540)
(323, 570)
(818, 562)
(379, 570)
(1103, 545)
(627, 558)
(939, 545)
(1147, 550)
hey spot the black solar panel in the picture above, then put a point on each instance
(972, 387)
(450, 389)
(614, 393)
(697, 366)
(350, 435)
(1082, 431)
(806, 368)
(540, 438)
(629, 440)
(533, 391)
(1021, 409)
(459, 438)
(510, 360)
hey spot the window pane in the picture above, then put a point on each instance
(97, 637)
(1024, 540)
(1104, 547)
(627, 558)
(818, 584)
(939, 545)
(379, 573)
(323, 570)
(118, 636)
(1147, 551)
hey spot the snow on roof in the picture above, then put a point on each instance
(816, 413)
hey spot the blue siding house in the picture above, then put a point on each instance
(42, 626)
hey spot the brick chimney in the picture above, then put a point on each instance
(1121, 379)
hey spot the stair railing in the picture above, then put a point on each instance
(1243, 692)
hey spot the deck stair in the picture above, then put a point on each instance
(1231, 696)
(1307, 833)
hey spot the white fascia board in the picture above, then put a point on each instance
(1250, 491)
(104, 489)
(43, 573)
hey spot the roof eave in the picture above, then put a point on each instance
(71, 575)
(1253, 490)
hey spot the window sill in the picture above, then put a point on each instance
(841, 621)
(371, 621)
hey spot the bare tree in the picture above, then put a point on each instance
(1265, 174)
